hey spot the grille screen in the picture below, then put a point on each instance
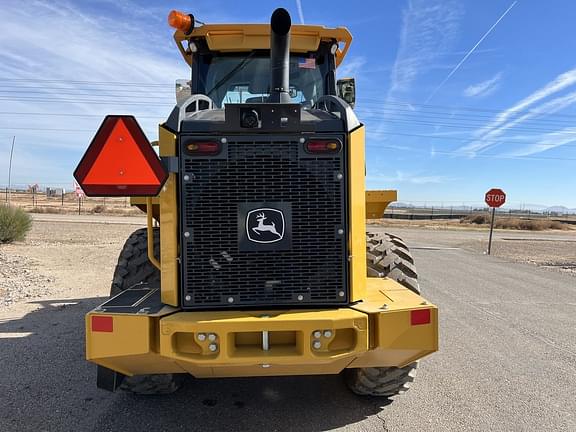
(217, 272)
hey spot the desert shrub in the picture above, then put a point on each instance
(49, 210)
(14, 224)
(515, 223)
(558, 225)
(99, 209)
(478, 219)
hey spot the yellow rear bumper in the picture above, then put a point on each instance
(391, 327)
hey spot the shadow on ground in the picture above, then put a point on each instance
(47, 385)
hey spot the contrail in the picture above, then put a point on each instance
(453, 71)
(300, 12)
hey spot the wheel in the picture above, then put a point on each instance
(135, 268)
(133, 265)
(387, 256)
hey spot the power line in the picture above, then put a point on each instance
(16, 89)
(460, 140)
(454, 116)
(385, 133)
(467, 123)
(49, 94)
(69, 114)
(462, 108)
(470, 154)
(433, 115)
(458, 125)
(89, 101)
(123, 83)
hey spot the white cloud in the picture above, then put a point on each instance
(527, 109)
(428, 30)
(550, 107)
(561, 82)
(483, 88)
(300, 11)
(404, 177)
(351, 67)
(73, 51)
(547, 142)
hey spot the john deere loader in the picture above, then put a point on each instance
(255, 260)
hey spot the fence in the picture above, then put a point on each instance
(50, 202)
(430, 213)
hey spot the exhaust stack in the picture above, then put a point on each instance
(280, 24)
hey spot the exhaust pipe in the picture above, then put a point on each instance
(280, 24)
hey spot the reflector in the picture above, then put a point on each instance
(103, 324)
(120, 161)
(420, 316)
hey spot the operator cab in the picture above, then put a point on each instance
(231, 64)
(245, 77)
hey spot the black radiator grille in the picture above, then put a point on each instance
(216, 273)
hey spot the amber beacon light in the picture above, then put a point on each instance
(181, 21)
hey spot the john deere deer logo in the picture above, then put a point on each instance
(265, 225)
(262, 227)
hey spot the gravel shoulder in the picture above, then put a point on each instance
(65, 259)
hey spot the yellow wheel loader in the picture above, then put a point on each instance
(255, 260)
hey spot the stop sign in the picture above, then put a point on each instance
(495, 197)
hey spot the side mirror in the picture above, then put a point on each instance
(183, 90)
(346, 88)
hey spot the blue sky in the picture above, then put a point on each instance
(458, 96)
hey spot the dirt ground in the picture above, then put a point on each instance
(61, 259)
(72, 259)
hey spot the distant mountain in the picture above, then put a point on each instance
(560, 209)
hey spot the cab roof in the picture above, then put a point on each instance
(248, 37)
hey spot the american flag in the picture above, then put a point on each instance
(307, 63)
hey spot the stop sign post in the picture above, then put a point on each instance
(494, 198)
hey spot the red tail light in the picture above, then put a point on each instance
(323, 146)
(120, 161)
(209, 148)
(420, 316)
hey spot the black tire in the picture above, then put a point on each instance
(135, 268)
(387, 256)
(133, 265)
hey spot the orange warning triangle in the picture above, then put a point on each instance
(120, 161)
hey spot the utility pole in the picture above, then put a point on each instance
(10, 169)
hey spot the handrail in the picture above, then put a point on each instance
(150, 232)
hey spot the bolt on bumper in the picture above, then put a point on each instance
(391, 327)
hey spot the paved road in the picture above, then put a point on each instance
(507, 363)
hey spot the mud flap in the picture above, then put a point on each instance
(107, 379)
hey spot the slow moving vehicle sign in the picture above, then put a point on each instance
(120, 161)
